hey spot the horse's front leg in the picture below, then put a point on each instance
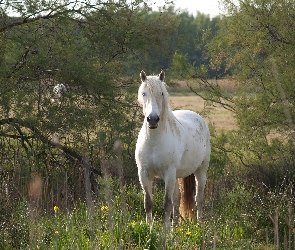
(176, 204)
(170, 181)
(147, 185)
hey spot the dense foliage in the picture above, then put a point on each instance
(84, 47)
(94, 49)
(255, 49)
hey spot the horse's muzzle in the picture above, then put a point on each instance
(153, 121)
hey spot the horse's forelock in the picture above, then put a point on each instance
(157, 88)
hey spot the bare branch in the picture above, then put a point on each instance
(37, 134)
(212, 88)
(275, 35)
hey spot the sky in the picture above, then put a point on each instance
(210, 7)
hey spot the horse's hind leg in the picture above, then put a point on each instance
(147, 185)
(200, 175)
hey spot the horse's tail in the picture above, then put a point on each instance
(187, 187)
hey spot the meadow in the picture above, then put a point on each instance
(236, 216)
(219, 117)
(116, 220)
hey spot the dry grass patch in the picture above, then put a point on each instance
(221, 118)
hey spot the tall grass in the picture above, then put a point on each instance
(238, 219)
(110, 214)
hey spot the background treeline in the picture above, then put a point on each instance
(96, 51)
(61, 151)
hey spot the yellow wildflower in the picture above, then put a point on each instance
(55, 208)
(104, 208)
(188, 233)
(133, 223)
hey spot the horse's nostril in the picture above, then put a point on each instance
(153, 119)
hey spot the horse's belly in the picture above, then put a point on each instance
(193, 154)
(190, 161)
(158, 163)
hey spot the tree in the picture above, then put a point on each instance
(255, 47)
(83, 45)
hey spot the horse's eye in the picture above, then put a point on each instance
(162, 93)
(143, 94)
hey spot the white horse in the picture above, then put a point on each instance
(171, 145)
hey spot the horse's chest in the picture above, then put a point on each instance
(158, 157)
(160, 153)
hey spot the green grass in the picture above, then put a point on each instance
(234, 221)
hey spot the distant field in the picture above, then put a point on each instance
(220, 117)
(182, 98)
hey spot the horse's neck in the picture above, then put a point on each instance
(170, 120)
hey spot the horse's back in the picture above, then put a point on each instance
(192, 120)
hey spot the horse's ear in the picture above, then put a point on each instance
(142, 75)
(162, 75)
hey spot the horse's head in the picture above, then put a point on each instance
(152, 95)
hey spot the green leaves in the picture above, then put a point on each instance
(92, 48)
(254, 49)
